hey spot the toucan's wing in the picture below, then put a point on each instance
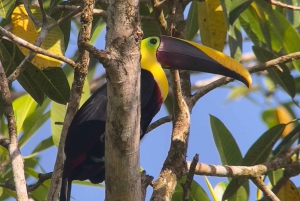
(88, 125)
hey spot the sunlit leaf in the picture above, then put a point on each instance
(212, 24)
(284, 117)
(236, 8)
(23, 27)
(33, 122)
(6, 7)
(284, 31)
(274, 176)
(211, 190)
(58, 111)
(219, 190)
(10, 61)
(288, 192)
(23, 107)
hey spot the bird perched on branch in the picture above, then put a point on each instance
(84, 146)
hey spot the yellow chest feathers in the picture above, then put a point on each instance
(150, 64)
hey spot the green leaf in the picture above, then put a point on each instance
(212, 24)
(65, 27)
(197, 192)
(261, 149)
(33, 122)
(240, 195)
(58, 111)
(23, 107)
(150, 28)
(284, 31)
(41, 192)
(250, 21)
(42, 146)
(191, 26)
(52, 82)
(292, 16)
(57, 114)
(274, 176)
(284, 78)
(287, 141)
(228, 149)
(258, 153)
(6, 7)
(53, 4)
(236, 8)
(235, 41)
(10, 60)
(270, 117)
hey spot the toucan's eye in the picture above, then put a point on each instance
(153, 41)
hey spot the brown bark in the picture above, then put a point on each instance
(79, 77)
(122, 164)
(13, 146)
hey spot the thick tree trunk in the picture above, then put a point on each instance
(122, 164)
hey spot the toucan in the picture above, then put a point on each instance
(84, 146)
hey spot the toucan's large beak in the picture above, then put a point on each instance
(180, 54)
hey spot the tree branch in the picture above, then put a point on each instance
(122, 135)
(4, 142)
(13, 149)
(189, 178)
(283, 5)
(262, 186)
(35, 48)
(76, 91)
(30, 188)
(159, 122)
(260, 67)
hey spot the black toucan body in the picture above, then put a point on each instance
(84, 146)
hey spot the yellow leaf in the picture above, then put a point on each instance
(284, 117)
(23, 27)
(288, 192)
(212, 24)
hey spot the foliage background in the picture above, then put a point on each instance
(242, 116)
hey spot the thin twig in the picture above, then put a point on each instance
(35, 21)
(146, 180)
(4, 142)
(41, 179)
(189, 178)
(65, 18)
(75, 96)
(262, 186)
(260, 67)
(13, 149)
(44, 16)
(242, 171)
(159, 122)
(35, 48)
(283, 5)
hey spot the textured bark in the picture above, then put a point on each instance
(13, 148)
(174, 165)
(79, 77)
(122, 164)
